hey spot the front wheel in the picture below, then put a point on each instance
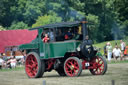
(34, 67)
(100, 66)
(72, 67)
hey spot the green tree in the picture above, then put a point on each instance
(93, 24)
(65, 9)
(2, 28)
(106, 17)
(121, 7)
(46, 19)
(29, 10)
(104, 14)
(18, 25)
(6, 17)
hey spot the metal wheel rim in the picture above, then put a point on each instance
(72, 67)
(31, 65)
(99, 66)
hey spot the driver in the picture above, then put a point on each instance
(86, 46)
(87, 41)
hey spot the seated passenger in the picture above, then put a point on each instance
(68, 35)
(51, 35)
(60, 35)
(45, 39)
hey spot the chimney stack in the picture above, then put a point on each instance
(84, 27)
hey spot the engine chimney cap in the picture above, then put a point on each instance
(83, 19)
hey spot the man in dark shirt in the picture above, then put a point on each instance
(86, 46)
(87, 41)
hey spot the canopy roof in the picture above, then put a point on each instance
(59, 25)
(16, 37)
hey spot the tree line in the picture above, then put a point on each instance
(108, 18)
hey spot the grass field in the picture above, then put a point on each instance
(117, 72)
(14, 69)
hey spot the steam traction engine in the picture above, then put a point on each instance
(68, 57)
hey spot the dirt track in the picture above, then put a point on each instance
(117, 72)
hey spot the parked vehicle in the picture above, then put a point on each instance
(67, 56)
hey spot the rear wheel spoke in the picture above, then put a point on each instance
(29, 66)
(68, 65)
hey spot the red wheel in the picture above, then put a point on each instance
(33, 66)
(100, 66)
(72, 67)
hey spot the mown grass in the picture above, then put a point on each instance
(13, 69)
(117, 62)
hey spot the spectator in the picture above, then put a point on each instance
(109, 51)
(8, 63)
(116, 52)
(12, 62)
(4, 58)
(5, 64)
(105, 50)
(24, 54)
(98, 52)
(122, 45)
(1, 63)
(46, 39)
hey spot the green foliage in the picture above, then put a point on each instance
(121, 8)
(93, 19)
(46, 19)
(2, 28)
(104, 15)
(18, 25)
(94, 23)
(29, 10)
(5, 12)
